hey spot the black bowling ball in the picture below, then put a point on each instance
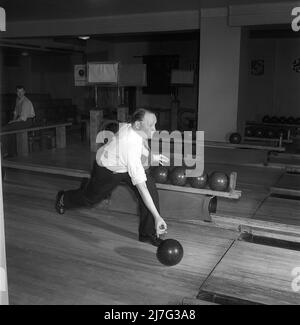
(160, 174)
(272, 134)
(169, 252)
(178, 176)
(259, 133)
(275, 119)
(291, 120)
(249, 131)
(200, 181)
(235, 138)
(282, 120)
(219, 181)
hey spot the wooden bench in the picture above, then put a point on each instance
(22, 136)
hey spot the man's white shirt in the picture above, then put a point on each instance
(124, 154)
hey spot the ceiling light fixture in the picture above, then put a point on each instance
(84, 38)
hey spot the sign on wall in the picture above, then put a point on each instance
(103, 73)
(80, 75)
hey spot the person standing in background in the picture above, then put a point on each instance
(24, 110)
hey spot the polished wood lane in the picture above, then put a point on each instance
(256, 273)
(76, 156)
(89, 257)
(289, 184)
(282, 210)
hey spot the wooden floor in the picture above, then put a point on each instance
(288, 184)
(86, 257)
(89, 257)
(93, 256)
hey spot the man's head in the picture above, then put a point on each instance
(144, 121)
(20, 91)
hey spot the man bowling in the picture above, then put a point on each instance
(120, 160)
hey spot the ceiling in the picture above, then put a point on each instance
(23, 10)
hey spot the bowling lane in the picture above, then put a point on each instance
(79, 157)
(242, 157)
(289, 184)
(280, 210)
(93, 257)
(290, 163)
(76, 156)
(246, 206)
(257, 274)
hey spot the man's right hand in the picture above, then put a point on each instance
(161, 227)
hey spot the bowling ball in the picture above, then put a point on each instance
(275, 119)
(282, 120)
(169, 252)
(160, 174)
(291, 120)
(259, 133)
(235, 138)
(219, 181)
(266, 119)
(200, 181)
(178, 176)
(249, 131)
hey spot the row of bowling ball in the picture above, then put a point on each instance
(217, 181)
(281, 120)
(263, 132)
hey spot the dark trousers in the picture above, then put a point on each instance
(100, 186)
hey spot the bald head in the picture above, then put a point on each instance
(145, 122)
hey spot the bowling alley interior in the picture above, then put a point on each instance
(224, 76)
